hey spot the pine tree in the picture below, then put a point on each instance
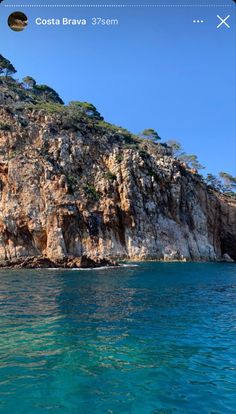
(29, 82)
(150, 134)
(6, 67)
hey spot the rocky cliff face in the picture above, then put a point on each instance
(75, 186)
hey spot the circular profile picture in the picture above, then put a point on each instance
(17, 21)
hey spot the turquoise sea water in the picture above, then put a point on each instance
(153, 339)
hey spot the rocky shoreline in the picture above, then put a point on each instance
(83, 262)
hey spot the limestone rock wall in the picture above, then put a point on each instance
(66, 192)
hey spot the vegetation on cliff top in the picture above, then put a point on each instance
(224, 183)
(6, 67)
(45, 98)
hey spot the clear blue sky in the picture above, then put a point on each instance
(157, 69)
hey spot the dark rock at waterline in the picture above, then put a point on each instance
(82, 262)
(226, 258)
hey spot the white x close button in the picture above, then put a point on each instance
(223, 21)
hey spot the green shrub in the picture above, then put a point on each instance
(143, 153)
(128, 139)
(110, 176)
(46, 93)
(5, 127)
(106, 125)
(92, 192)
(127, 136)
(131, 146)
(72, 181)
(119, 158)
(50, 107)
(72, 118)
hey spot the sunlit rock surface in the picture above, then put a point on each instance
(71, 190)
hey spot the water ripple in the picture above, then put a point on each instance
(153, 339)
